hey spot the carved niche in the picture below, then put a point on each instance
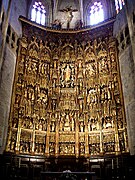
(67, 97)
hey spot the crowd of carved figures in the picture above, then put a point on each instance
(67, 99)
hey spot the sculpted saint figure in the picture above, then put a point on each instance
(67, 73)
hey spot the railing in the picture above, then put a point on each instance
(64, 30)
(68, 175)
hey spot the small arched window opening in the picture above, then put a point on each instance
(9, 30)
(119, 5)
(38, 13)
(96, 13)
(13, 37)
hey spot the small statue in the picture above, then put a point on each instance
(67, 123)
(79, 24)
(52, 126)
(56, 24)
(67, 73)
(12, 145)
(82, 151)
(40, 126)
(81, 127)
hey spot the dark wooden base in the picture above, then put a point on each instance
(25, 167)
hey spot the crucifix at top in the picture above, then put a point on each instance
(69, 14)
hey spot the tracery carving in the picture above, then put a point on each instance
(67, 98)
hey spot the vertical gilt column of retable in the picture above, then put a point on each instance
(57, 136)
(18, 136)
(47, 137)
(86, 137)
(76, 135)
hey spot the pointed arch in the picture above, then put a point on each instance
(98, 11)
(40, 11)
(119, 5)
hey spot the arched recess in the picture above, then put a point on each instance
(48, 9)
(108, 8)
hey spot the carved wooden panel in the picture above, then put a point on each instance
(67, 97)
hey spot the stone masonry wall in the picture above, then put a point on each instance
(123, 32)
(8, 64)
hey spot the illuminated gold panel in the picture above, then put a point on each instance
(67, 97)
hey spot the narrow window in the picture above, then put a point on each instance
(13, 37)
(96, 13)
(119, 5)
(38, 13)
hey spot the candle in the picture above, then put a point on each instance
(19, 162)
(112, 164)
(117, 163)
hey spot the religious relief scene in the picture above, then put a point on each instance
(67, 90)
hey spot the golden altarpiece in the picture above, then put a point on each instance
(67, 98)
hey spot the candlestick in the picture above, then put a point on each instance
(112, 164)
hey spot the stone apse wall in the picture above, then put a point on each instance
(124, 30)
(67, 98)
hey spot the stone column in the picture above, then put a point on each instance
(81, 9)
